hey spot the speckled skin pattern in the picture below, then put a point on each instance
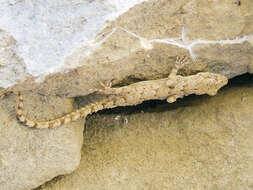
(171, 88)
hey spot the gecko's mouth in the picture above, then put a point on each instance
(222, 80)
(217, 82)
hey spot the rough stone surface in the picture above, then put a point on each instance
(140, 44)
(143, 42)
(12, 67)
(48, 31)
(29, 157)
(200, 142)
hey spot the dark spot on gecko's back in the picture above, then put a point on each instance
(50, 124)
(62, 120)
(238, 2)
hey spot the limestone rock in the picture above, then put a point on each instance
(12, 68)
(46, 32)
(200, 142)
(138, 45)
(30, 157)
(62, 48)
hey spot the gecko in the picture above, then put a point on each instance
(170, 89)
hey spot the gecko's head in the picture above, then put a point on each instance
(212, 82)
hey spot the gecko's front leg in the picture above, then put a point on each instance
(180, 62)
(107, 88)
(173, 81)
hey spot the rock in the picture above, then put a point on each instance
(47, 32)
(199, 142)
(12, 68)
(30, 157)
(140, 44)
(52, 49)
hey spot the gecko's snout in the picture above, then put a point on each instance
(212, 82)
(221, 80)
(215, 83)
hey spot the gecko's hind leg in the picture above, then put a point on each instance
(172, 98)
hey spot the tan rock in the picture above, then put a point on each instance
(218, 58)
(143, 43)
(199, 142)
(30, 157)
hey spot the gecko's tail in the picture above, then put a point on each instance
(30, 123)
(6, 93)
(19, 111)
(73, 116)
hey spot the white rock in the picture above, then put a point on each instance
(47, 31)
